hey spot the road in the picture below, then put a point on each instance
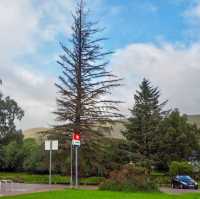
(21, 188)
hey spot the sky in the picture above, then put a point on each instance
(155, 39)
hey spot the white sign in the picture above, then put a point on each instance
(76, 143)
(51, 145)
(47, 145)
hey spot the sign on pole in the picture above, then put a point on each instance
(51, 145)
(76, 139)
(76, 143)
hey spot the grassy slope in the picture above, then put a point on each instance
(82, 194)
(195, 119)
(114, 132)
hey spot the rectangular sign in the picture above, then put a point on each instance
(76, 143)
(51, 145)
(54, 144)
(47, 145)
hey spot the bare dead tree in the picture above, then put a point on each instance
(85, 82)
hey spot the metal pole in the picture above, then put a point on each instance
(76, 166)
(50, 159)
(71, 156)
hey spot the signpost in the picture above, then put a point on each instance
(51, 145)
(75, 143)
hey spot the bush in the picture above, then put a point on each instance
(162, 179)
(92, 180)
(129, 178)
(180, 168)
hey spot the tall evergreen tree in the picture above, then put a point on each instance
(85, 80)
(142, 128)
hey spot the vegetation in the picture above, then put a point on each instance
(23, 155)
(44, 179)
(143, 127)
(153, 137)
(157, 137)
(129, 178)
(10, 137)
(82, 102)
(85, 80)
(178, 140)
(79, 194)
(180, 168)
(165, 138)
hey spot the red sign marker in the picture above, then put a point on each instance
(76, 136)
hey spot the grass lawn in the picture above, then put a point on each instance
(43, 179)
(82, 194)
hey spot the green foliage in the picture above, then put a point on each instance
(177, 139)
(142, 128)
(13, 156)
(9, 113)
(34, 178)
(9, 135)
(25, 155)
(94, 194)
(32, 155)
(129, 178)
(44, 179)
(161, 179)
(180, 168)
(92, 180)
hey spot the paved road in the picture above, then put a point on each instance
(21, 188)
(178, 191)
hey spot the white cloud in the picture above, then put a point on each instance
(34, 92)
(194, 11)
(175, 69)
(24, 26)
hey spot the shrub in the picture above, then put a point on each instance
(92, 180)
(180, 168)
(129, 178)
(162, 179)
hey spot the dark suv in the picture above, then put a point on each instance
(184, 182)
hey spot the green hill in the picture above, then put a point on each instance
(108, 130)
(194, 119)
(34, 133)
(113, 131)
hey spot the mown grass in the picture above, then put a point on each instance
(83, 194)
(43, 179)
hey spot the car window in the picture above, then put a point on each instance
(184, 178)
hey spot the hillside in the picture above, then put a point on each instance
(113, 131)
(194, 119)
(34, 133)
